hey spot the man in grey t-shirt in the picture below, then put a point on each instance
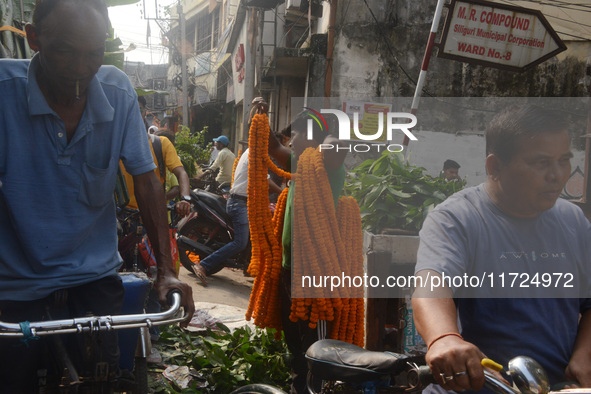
(511, 224)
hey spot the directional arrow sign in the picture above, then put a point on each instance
(497, 35)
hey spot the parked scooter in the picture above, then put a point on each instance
(206, 230)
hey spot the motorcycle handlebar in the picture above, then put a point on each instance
(420, 377)
(96, 323)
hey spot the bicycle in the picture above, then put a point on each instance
(134, 246)
(130, 234)
(70, 380)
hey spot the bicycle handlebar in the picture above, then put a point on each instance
(94, 323)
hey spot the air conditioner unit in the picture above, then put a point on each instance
(300, 8)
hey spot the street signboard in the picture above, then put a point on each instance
(368, 117)
(497, 35)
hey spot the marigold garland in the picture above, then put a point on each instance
(193, 257)
(265, 265)
(326, 242)
(236, 160)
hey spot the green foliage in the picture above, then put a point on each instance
(394, 194)
(192, 149)
(113, 54)
(226, 360)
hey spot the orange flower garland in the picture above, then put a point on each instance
(265, 265)
(327, 242)
(236, 160)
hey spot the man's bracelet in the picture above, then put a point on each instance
(455, 334)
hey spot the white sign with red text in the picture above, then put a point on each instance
(497, 34)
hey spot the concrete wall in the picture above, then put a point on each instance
(380, 55)
(433, 148)
(383, 58)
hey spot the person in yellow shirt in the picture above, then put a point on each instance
(172, 162)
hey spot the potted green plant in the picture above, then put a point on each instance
(395, 196)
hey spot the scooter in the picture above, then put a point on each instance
(206, 230)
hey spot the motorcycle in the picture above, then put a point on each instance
(207, 229)
(209, 183)
(340, 366)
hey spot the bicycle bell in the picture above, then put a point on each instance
(528, 375)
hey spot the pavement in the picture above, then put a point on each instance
(224, 299)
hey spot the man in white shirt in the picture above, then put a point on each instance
(237, 209)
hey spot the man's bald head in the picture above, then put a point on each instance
(43, 8)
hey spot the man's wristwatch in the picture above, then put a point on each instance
(186, 198)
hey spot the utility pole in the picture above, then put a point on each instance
(183, 65)
(249, 72)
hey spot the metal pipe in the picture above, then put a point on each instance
(425, 64)
(497, 385)
(329, 47)
(184, 65)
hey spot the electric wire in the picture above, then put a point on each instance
(570, 21)
(381, 33)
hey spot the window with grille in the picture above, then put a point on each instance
(207, 29)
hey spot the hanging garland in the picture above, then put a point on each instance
(326, 241)
(265, 265)
(236, 160)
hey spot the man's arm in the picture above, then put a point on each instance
(212, 167)
(183, 208)
(435, 316)
(579, 366)
(278, 152)
(174, 165)
(172, 193)
(150, 199)
(274, 188)
(217, 163)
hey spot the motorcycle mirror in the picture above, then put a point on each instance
(528, 375)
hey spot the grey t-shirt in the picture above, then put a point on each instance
(469, 234)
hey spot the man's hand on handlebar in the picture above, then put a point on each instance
(182, 208)
(455, 364)
(205, 172)
(165, 284)
(579, 371)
